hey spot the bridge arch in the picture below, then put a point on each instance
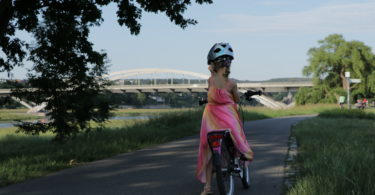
(137, 72)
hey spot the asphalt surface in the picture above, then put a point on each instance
(169, 168)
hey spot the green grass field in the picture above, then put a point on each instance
(336, 154)
(23, 157)
(137, 112)
(293, 111)
(9, 115)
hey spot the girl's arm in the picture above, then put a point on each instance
(209, 82)
(234, 90)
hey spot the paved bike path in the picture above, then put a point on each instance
(169, 168)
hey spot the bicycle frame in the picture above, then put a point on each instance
(215, 139)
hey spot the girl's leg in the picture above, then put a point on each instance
(209, 173)
(207, 186)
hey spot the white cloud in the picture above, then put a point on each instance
(346, 18)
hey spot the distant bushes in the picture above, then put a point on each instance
(8, 103)
(318, 95)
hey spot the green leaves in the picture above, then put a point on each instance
(335, 56)
(66, 72)
(129, 13)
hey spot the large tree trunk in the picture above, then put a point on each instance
(343, 79)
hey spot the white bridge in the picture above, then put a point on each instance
(265, 87)
(189, 85)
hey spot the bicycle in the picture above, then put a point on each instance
(227, 160)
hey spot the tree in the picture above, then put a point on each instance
(141, 98)
(8, 103)
(335, 56)
(67, 71)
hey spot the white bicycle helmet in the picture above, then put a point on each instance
(219, 50)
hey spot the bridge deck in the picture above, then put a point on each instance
(265, 87)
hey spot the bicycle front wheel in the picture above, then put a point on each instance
(245, 174)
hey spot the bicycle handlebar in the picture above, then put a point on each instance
(203, 101)
(248, 95)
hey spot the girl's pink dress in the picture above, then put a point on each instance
(220, 113)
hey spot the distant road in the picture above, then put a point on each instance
(169, 168)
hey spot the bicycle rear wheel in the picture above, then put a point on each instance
(224, 176)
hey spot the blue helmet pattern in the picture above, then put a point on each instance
(219, 50)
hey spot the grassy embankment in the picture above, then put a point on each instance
(336, 153)
(9, 115)
(148, 112)
(23, 157)
(263, 112)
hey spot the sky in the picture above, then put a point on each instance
(270, 38)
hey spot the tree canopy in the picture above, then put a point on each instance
(66, 71)
(328, 64)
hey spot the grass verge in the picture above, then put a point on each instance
(149, 112)
(9, 115)
(262, 112)
(350, 114)
(23, 157)
(336, 154)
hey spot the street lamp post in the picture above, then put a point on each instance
(347, 76)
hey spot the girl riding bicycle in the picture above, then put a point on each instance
(220, 112)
